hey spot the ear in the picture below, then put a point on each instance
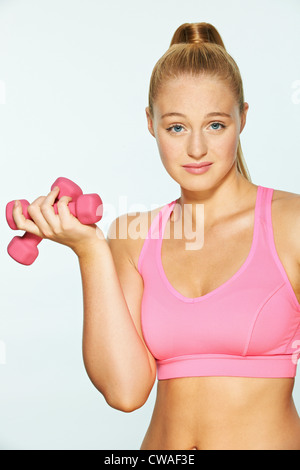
(243, 116)
(150, 122)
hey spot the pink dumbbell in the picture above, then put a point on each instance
(24, 249)
(87, 208)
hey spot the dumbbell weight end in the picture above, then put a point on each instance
(24, 249)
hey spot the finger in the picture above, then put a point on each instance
(52, 195)
(64, 212)
(38, 201)
(22, 223)
(48, 212)
(34, 210)
(43, 215)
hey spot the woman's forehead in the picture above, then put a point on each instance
(186, 93)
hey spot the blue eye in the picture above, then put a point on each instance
(217, 124)
(176, 129)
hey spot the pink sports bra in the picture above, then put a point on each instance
(247, 327)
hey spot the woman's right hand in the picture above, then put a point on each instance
(62, 228)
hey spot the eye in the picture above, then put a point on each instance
(176, 129)
(215, 126)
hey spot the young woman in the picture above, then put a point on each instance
(218, 318)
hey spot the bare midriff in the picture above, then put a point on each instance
(224, 413)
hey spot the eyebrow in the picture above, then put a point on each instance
(215, 113)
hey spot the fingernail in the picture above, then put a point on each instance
(16, 203)
(56, 188)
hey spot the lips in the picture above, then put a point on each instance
(197, 165)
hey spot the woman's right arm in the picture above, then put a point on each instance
(115, 355)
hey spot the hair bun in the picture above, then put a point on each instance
(197, 33)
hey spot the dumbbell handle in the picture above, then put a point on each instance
(87, 208)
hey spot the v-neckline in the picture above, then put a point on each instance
(166, 212)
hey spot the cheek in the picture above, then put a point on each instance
(168, 148)
(227, 145)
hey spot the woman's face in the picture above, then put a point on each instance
(196, 120)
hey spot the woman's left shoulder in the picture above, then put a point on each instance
(286, 210)
(287, 202)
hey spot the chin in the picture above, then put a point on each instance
(205, 181)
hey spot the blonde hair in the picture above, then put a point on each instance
(195, 49)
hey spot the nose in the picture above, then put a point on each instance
(197, 146)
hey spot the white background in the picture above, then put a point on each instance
(74, 78)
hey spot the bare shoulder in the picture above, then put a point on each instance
(286, 217)
(128, 232)
(287, 203)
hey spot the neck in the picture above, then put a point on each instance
(220, 200)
